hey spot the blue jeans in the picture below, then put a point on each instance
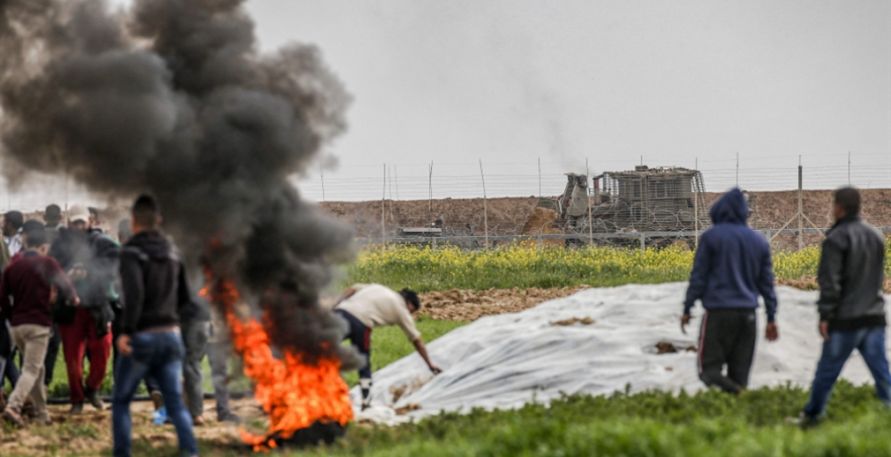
(160, 356)
(836, 350)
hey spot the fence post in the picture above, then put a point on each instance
(588, 200)
(485, 206)
(643, 241)
(800, 207)
(384, 209)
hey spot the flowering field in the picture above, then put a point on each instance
(428, 269)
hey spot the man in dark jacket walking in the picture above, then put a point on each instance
(156, 296)
(851, 305)
(732, 268)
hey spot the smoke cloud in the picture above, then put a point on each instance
(172, 97)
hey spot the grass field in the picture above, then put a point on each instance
(647, 424)
(388, 345)
(431, 269)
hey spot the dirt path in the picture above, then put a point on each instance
(470, 305)
(89, 434)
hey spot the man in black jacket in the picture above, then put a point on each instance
(156, 296)
(851, 305)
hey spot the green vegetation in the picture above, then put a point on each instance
(429, 269)
(389, 344)
(646, 424)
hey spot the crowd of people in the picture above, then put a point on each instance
(127, 301)
(121, 300)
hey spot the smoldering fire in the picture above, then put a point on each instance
(172, 97)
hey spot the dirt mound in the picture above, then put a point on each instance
(460, 217)
(470, 305)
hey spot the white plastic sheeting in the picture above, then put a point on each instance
(506, 361)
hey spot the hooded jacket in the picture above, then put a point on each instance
(851, 275)
(733, 264)
(153, 279)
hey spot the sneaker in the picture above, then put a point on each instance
(76, 409)
(198, 421)
(13, 417)
(43, 419)
(803, 421)
(93, 398)
(229, 417)
(157, 399)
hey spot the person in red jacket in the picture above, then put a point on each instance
(28, 289)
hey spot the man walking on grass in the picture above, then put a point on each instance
(29, 287)
(155, 294)
(851, 305)
(732, 268)
(365, 307)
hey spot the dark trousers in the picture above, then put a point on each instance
(52, 354)
(360, 337)
(727, 338)
(870, 342)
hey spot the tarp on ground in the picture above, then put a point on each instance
(597, 341)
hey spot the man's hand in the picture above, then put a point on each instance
(685, 320)
(124, 346)
(435, 369)
(772, 332)
(824, 330)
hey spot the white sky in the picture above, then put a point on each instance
(512, 81)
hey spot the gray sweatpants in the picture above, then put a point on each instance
(195, 336)
(218, 353)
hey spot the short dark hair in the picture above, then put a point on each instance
(411, 296)
(14, 218)
(146, 211)
(35, 238)
(849, 200)
(32, 225)
(53, 213)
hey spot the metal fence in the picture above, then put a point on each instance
(780, 239)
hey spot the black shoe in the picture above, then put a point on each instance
(93, 398)
(229, 417)
(76, 409)
(804, 421)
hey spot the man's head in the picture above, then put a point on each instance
(30, 227)
(146, 214)
(52, 215)
(36, 239)
(411, 300)
(79, 219)
(12, 222)
(846, 203)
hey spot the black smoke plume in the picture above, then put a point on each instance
(172, 97)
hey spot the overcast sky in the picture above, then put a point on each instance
(512, 81)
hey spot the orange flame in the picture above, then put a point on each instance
(294, 394)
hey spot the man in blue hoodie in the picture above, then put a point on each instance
(732, 268)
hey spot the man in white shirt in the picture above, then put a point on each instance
(365, 307)
(12, 231)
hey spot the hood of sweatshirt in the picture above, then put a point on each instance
(731, 208)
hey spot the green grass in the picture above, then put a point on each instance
(647, 424)
(523, 266)
(388, 344)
